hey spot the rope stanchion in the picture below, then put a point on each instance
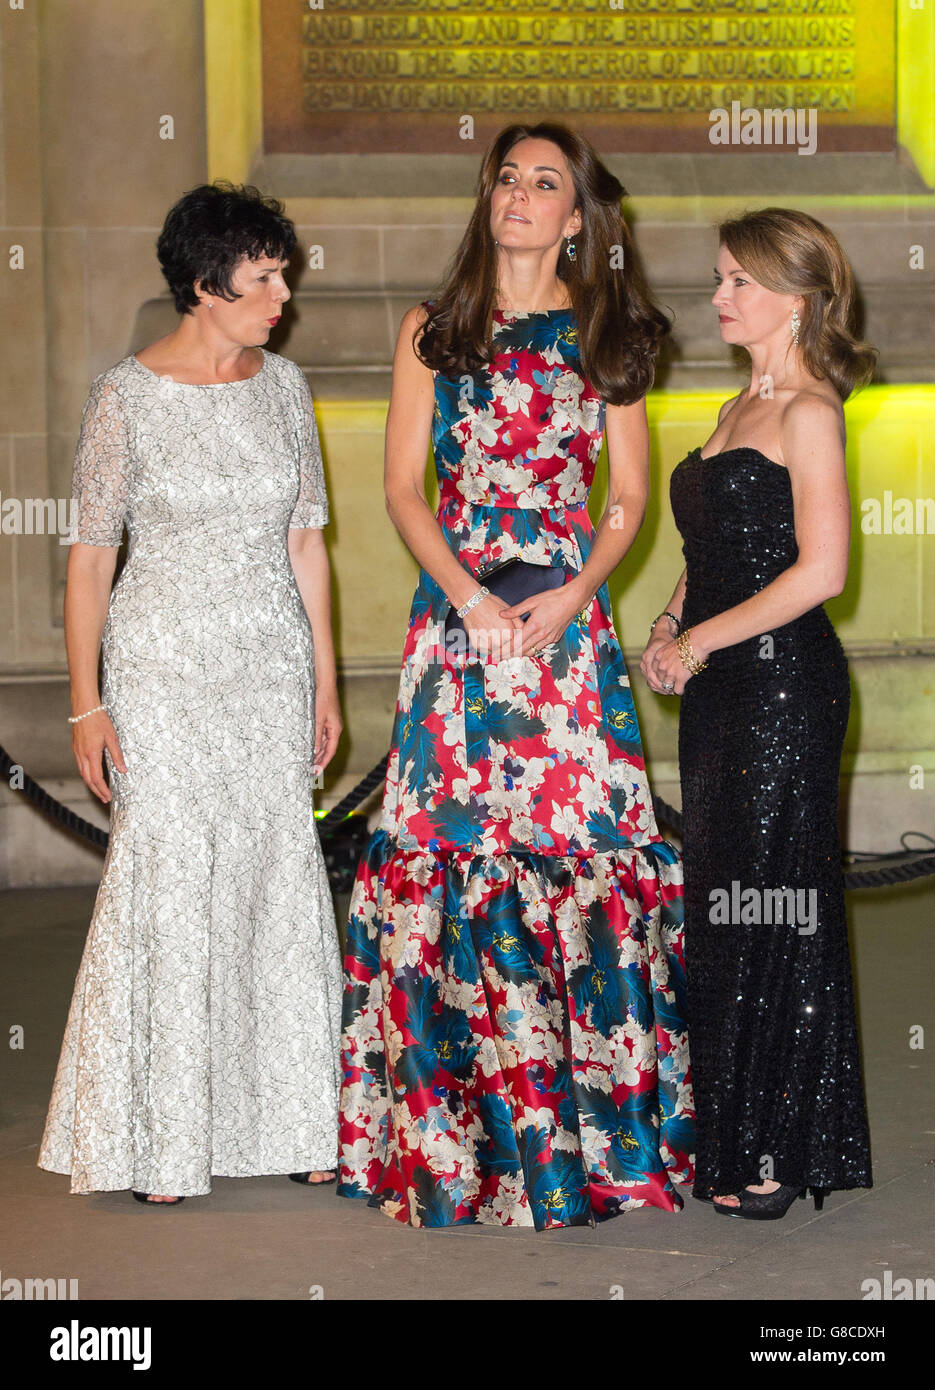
(355, 797)
(55, 810)
(900, 866)
(343, 835)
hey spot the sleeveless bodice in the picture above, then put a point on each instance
(516, 445)
(734, 512)
(774, 1055)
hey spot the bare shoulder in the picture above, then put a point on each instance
(812, 419)
(410, 332)
(812, 438)
(414, 318)
(728, 406)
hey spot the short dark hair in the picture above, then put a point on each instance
(211, 229)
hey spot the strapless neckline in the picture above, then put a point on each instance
(738, 449)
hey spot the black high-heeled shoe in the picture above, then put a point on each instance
(771, 1206)
(304, 1177)
(145, 1196)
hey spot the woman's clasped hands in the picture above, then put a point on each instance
(662, 665)
(496, 632)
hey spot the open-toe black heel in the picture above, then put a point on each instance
(144, 1197)
(304, 1177)
(771, 1206)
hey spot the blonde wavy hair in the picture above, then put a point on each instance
(789, 252)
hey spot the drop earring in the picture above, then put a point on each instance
(570, 251)
(796, 325)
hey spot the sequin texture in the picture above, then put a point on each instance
(775, 1058)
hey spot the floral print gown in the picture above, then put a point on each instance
(513, 1043)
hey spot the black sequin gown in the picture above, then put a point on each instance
(772, 1029)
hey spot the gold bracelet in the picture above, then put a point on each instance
(683, 646)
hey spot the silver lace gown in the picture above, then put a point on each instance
(204, 1032)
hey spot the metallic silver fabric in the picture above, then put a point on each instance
(204, 1031)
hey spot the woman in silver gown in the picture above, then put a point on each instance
(204, 1030)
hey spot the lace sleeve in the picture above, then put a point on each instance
(311, 508)
(101, 479)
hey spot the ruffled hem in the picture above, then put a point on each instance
(513, 1044)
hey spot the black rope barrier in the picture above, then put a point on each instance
(343, 835)
(355, 797)
(47, 803)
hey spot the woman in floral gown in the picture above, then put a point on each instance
(513, 1045)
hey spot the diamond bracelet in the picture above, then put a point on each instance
(482, 593)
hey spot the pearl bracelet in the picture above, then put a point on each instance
(482, 593)
(73, 718)
(666, 614)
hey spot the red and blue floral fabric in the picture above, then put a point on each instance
(514, 1047)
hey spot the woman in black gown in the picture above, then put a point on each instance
(764, 517)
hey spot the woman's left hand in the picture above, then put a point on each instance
(328, 726)
(549, 615)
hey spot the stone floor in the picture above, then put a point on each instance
(268, 1239)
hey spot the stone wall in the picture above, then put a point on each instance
(85, 182)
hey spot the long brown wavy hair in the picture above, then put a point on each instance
(619, 326)
(789, 252)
